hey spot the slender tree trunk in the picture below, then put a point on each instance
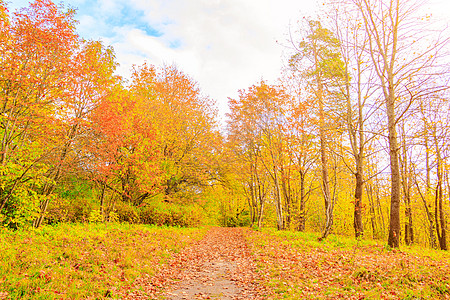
(40, 219)
(251, 199)
(382, 26)
(279, 204)
(323, 150)
(261, 215)
(439, 211)
(431, 227)
(254, 191)
(261, 199)
(358, 225)
(405, 171)
(380, 210)
(259, 196)
(287, 197)
(254, 210)
(357, 146)
(324, 166)
(301, 213)
(409, 230)
(102, 200)
(373, 218)
(394, 221)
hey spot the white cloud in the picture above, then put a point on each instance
(225, 45)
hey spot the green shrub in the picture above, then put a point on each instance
(69, 210)
(96, 216)
(147, 215)
(240, 220)
(171, 214)
(113, 217)
(192, 216)
(126, 213)
(21, 209)
(73, 202)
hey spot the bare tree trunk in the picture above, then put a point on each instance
(102, 200)
(439, 213)
(394, 221)
(406, 185)
(278, 204)
(380, 210)
(301, 212)
(373, 218)
(287, 197)
(323, 157)
(261, 214)
(409, 230)
(358, 225)
(325, 178)
(381, 23)
(431, 227)
(439, 218)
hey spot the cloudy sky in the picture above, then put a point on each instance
(225, 45)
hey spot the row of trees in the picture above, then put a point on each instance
(353, 138)
(64, 113)
(359, 119)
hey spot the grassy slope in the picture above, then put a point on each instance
(80, 261)
(299, 267)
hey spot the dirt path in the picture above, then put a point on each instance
(220, 266)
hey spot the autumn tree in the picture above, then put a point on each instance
(301, 143)
(256, 126)
(404, 56)
(123, 149)
(245, 148)
(91, 81)
(185, 121)
(318, 58)
(359, 94)
(33, 79)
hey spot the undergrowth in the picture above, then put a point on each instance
(79, 261)
(297, 266)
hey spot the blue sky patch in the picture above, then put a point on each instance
(127, 16)
(121, 14)
(175, 44)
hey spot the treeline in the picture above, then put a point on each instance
(352, 140)
(355, 137)
(79, 143)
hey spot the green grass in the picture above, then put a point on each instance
(310, 239)
(297, 266)
(80, 261)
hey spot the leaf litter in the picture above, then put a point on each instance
(220, 266)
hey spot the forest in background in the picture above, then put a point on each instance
(352, 140)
